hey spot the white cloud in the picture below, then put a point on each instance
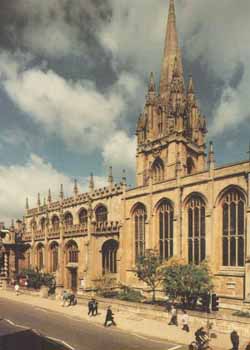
(120, 151)
(17, 182)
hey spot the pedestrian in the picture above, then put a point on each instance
(90, 307)
(173, 320)
(64, 297)
(17, 288)
(95, 307)
(109, 318)
(235, 340)
(185, 320)
(72, 299)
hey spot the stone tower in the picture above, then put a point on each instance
(171, 130)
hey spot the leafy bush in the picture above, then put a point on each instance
(37, 279)
(130, 294)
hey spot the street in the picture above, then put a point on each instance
(78, 333)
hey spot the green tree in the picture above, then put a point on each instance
(148, 269)
(186, 281)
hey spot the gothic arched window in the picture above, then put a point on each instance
(158, 170)
(54, 256)
(166, 230)
(190, 166)
(40, 262)
(139, 216)
(101, 214)
(233, 230)
(68, 218)
(109, 253)
(196, 230)
(33, 225)
(55, 222)
(42, 223)
(72, 252)
(83, 217)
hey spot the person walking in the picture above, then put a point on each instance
(235, 340)
(17, 288)
(90, 307)
(95, 307)
(109, 318)
(248, 346)
(64, 298)
(185, 320)
(173, 320)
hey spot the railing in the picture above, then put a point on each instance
(107, 227)
(53, 232)
(75, 230)
(39, 235)
(27, 236)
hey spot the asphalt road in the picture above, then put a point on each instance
(78, 333)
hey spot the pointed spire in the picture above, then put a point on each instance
(110, 177)
(124, 180)
(44, 201)
(27, 204)
(172, 52)
(12, 223)
(38, 200)
(151, 87)
(75, 187)
(61, 192)
(49, 196)
(91, 183)
(249, 152)
(211, 157)
(190, 85)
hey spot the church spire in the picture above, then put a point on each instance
(172, 53)
(151, 86)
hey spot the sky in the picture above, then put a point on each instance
(73, 80)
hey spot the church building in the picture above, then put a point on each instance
(183, 205)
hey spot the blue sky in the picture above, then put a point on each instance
(73, 79)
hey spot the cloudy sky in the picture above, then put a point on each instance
(73, 77)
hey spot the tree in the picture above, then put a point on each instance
(148, 269)
(186, 281)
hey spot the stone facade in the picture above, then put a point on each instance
(183, 205)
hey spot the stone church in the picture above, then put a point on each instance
(183, 205)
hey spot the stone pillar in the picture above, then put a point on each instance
(247, 263)
(60, 283)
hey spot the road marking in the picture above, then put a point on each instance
(175, 347)
(62, 342)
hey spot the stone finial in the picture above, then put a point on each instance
(27, 204)
(124, 179)
(44, 201)
(151, 86)
(38, 200)
(190, 85)
(249, 152)
(75, 187)
(91, 183)
(12, 223)
(211, 156)
(61, 192)
(49, 196)
(110, 176)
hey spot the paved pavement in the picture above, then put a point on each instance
(73, 326)
(154, 334)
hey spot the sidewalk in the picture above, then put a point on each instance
(127, 321)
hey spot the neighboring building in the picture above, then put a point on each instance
(182, 204)
(12, 250)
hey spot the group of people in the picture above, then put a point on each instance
(93, 307)
(68, 298)
(93, 311)
(174, 318)
(235, 340)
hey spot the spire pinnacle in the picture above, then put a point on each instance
(27, 204)
(38, 200)
(172, 53)
(91, 183)
(49, 196)
(110, 177)
(61, 192)
(151, 87)
(75, 187)
(190, 85)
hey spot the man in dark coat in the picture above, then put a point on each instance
(235, 340)
(109, 318)
(90, 307)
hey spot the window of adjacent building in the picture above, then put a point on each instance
(83, 217)
(166, 230)
(139, 222)
(72, 250)
(42, 223)
(109, 256)
(196, 230)
(233, 209)
(101, 214)
(55, 222)
(40, 257)
(68, 218)
(158, 170)
(54, 257)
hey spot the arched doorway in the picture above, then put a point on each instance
(109, 257)
(72, 253)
